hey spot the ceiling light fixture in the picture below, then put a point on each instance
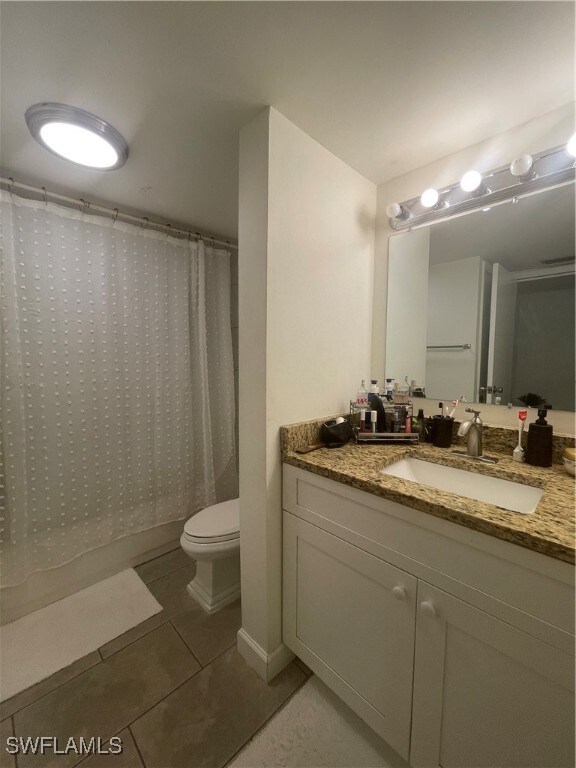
(77, 136)
(571, 146)
(523, 168)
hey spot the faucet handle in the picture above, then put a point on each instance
(476, 413)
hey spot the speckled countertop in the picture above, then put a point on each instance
(549, 529)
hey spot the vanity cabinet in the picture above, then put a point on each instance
(458, 649)
(332, 590)
(485, 693)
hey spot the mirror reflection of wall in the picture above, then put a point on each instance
(501, 281)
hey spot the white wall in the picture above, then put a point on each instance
(545, 132)
(453, 318)
(407, 306)
(306, 244)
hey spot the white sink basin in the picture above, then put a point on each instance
(505, 494)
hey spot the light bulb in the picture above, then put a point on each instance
(571, 146)
(521, 166)
(396, 211)
(471, 181)
(429, 198)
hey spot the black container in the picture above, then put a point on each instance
(539, 445)
(377, 405)
(442, 431)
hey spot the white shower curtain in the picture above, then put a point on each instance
(117, 385)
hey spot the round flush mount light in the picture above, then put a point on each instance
(77, 136)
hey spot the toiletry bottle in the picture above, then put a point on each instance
(373, 388)
(368, 420)
(408, 422)
(362, 395)
(539, 446)
(421, 425)
(417, 421)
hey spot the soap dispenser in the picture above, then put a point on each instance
(539, 446)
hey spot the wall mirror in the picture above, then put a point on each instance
(482, 305)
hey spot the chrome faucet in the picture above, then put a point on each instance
(473, 428)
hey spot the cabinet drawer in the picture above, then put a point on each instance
(527, 588)
(350, 616)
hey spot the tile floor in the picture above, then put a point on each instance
(174, 689)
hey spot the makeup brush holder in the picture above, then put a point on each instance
(442, 427)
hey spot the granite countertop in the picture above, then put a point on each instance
(549, 529)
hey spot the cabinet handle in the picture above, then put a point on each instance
(399, 593)
(428, 608)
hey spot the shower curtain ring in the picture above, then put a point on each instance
(85, 205)
(147, 220)
(168, 228)
(10, 185)
(198, 236)
(115, 215)
(45, 195)
(189, 235)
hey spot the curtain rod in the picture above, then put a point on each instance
(41, 193)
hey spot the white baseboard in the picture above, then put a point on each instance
(266, 665)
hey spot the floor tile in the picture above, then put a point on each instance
(209, 718)
(208, 635)
(128, 758)
(161, 566)
(23, 699)
(106, 698)
(170, 591)
(6, 759)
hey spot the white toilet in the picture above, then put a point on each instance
(212, 538)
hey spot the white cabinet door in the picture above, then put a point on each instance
(350, 616)
(485, 693)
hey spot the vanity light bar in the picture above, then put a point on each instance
(548, 169)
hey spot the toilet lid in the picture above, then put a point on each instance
(220, 522)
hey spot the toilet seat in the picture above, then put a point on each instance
(216, 524)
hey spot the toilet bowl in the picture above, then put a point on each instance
(212, 539)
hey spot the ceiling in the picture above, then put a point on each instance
(385, 86)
